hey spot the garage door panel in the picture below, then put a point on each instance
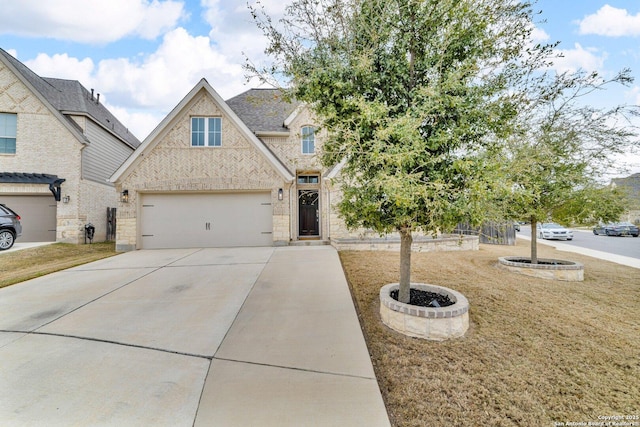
(37, 216)
(206, 220)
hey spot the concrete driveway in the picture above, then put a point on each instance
(205, 337)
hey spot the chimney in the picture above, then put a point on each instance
(98, 99)
(92, 94)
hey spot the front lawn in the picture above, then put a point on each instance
(26, 264)
(537, 352)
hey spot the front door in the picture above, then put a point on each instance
(308, 213)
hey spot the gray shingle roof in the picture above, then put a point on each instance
(69, 97)
(262, 110)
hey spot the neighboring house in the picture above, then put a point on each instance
(58, 147)
(239, 173)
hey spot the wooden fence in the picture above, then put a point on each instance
(492, 233)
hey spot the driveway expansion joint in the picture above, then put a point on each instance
(293, 368)
(118, 343)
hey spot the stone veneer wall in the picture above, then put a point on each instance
(420, 244)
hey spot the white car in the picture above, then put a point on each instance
(551, 230)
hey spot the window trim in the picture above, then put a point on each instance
(12, 136)
(304, 139)
(206, 132)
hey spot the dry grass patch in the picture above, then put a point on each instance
(27, 264)
(537, 351)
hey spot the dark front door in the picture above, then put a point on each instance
(308, 209)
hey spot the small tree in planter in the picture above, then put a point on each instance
(413, 94)
(554, 163)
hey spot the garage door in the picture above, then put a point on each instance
(37, 216)
(206, 220)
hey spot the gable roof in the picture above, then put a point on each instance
(69, 97)
(153, 139)
(263, 110)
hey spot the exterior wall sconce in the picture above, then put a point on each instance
(66, 199)
(124, 196)
(280, 194)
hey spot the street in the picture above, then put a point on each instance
(625, 246)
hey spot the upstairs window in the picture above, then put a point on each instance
(308, 140)
(8, 131)
(206, 131)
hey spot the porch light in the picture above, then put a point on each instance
(124, 196)
(280, 194)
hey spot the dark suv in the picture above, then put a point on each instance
(10, 227)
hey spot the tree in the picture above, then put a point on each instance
(554, 163)
(413, 93)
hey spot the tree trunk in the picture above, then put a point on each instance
(406, 239)
(534, 241)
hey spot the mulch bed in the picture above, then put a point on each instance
(424, 298)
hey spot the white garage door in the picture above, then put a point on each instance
(206, 220)
(37, 216)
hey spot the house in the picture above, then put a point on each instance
(244, 172)
(241, 172)
(58, 147)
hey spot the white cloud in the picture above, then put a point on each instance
(538, 35)
(149, 86)
(633, 95)
(165, 76)
(89, 21)
(139, 123)
(234, 29)
(579, 58)
(63, 66)
(612, 22)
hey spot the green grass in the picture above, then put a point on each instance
(18, 266)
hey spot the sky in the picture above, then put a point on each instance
(144, 56)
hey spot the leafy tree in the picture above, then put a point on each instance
(555, 162)
(414, 95)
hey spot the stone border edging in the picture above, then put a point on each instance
(433, 323)
(569, 271)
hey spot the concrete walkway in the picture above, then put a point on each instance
(204, 337)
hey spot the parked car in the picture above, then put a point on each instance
(617, 229)
(10, 227)
(551, 230)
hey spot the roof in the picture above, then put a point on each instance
(263, 110)
(152, 140)
(69, 97)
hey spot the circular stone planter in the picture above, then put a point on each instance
(554, 269)
(432, 323)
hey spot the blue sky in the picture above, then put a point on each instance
(143, 56)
